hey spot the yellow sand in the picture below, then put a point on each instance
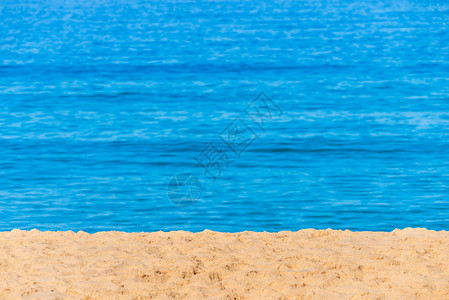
(309, 264)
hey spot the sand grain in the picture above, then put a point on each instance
(309, 264)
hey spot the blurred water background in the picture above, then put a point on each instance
(102, 102)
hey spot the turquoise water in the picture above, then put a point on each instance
(103, 103)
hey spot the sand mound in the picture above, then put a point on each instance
(309, 264)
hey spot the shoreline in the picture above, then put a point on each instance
(306, 264)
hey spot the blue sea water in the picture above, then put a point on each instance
(103, 102)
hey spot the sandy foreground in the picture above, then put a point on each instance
(308, 264)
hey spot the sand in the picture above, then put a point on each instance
(308, 264)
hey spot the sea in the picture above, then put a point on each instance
(224, 115)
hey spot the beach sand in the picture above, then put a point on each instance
(308, 264)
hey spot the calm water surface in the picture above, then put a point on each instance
(101, 103)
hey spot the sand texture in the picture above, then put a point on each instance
(309, 264)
